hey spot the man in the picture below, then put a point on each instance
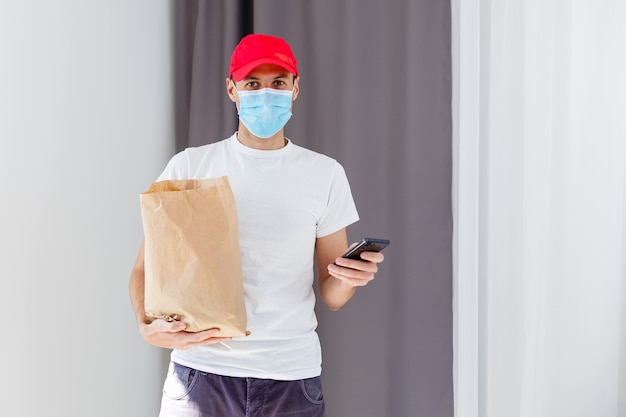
(293, 205)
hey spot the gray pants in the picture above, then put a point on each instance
(191, 393)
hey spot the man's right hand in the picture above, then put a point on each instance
(172, 335)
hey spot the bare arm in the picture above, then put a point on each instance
(337, 283)
(159, 332)
(136, 288)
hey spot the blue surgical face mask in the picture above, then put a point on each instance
(264, 112)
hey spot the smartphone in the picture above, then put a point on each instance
(367, 244)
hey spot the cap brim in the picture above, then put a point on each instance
(241, 72)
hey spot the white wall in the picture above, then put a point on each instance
(85, 125)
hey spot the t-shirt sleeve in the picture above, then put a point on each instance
(340, 209)
(176, 169)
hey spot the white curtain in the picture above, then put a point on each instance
(540, 208)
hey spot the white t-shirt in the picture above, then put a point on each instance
(285, 199)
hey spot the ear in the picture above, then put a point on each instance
(296, 88)
(230, 90)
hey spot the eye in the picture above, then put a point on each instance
(279, 84)
(252, 85)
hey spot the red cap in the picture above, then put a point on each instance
(257, 49)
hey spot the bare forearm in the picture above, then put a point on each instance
(136, 286)
(136, 290)
(335, 293)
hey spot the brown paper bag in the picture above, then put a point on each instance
(192, 258)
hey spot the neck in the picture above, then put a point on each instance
(272, 143)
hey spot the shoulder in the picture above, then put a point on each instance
(188, 162)
(193, 151)
(314, 158)
(199, 154)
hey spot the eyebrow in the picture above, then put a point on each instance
(285, 75)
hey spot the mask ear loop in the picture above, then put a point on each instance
(235, 88)
(293, 90)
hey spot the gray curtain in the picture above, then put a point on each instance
(375, 94)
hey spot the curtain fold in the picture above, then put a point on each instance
(541, 329)
(206, 32)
